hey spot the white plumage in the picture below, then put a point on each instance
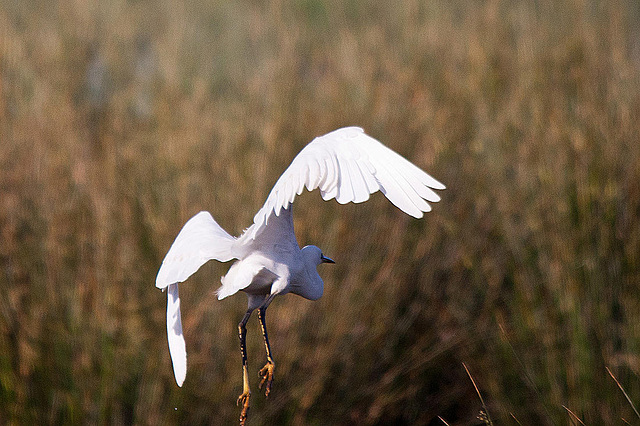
(347, 165)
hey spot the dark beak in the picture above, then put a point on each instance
(326, 259)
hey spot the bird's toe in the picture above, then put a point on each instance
(243, 400)
(266, 373)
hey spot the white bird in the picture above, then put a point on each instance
(347, 165)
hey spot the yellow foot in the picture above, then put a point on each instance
(244, 400)
(267, 377)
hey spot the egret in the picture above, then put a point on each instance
(347, 165)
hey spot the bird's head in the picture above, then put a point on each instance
(313, 256)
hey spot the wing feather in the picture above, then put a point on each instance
(177, 346)
(302, 181)
(292, 191)
(314, 175)
(393, 189)
(323, 173)
(418, 185)
(349, 165)
(410, 188)
(360, 188)
(368, 173)
(280, 200)
(345, 187)
(329, 185)
(200, 240)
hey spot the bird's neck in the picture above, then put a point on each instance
(311, 287)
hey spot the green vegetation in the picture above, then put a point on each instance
(119, 120)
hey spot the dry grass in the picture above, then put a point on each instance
(119, 120)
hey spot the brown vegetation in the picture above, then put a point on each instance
(119, 120)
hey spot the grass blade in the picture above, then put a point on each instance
(574, 415)
(484, 406)
(624, 392)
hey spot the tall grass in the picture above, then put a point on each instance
(120, 120)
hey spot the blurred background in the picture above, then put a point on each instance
(119, 120)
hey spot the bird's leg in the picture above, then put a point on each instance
(267, 371)
(246, 392)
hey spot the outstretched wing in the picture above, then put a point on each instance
(349, 165)
(200, 240)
